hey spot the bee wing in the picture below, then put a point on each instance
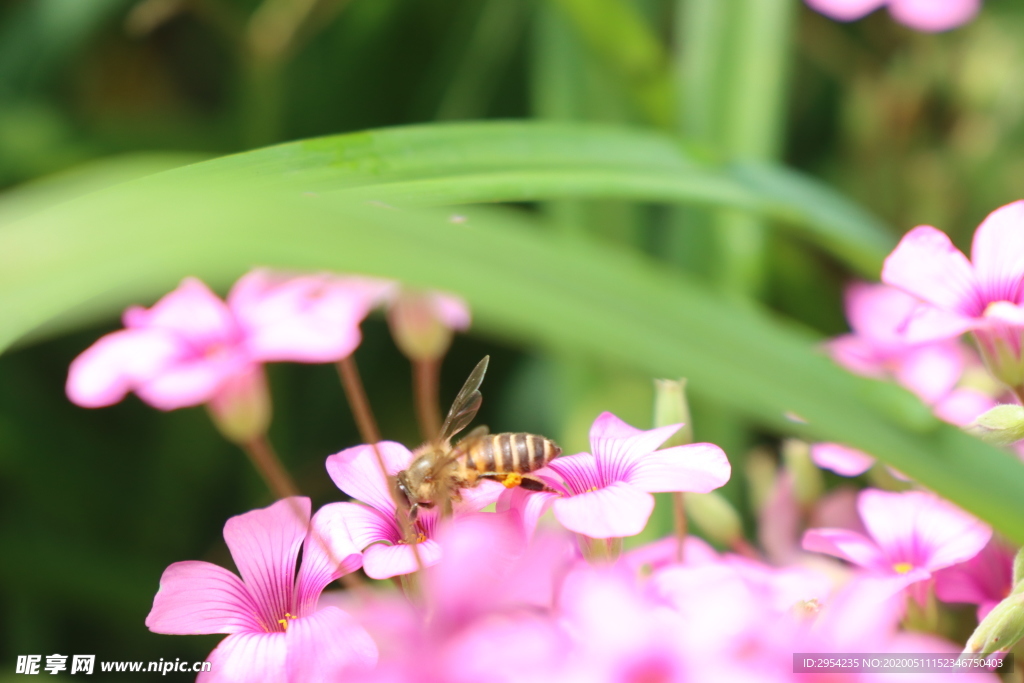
(466, 404)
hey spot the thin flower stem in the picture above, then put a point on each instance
(266, 462)
(367, 425)
(357, 401)
(426, 390)
(679, 515)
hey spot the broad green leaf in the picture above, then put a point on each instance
(132, 242)
(494, 162)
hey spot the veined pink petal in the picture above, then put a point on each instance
(366, 525)
(840, 459)
(931, 370)
(578, 472)
(328, 552)
(248, 657)
(614, 511)
(698, 468)
(356, 471)
(617, 445)
(845, 10)
(117, 363)
(848, 545)
(926, 264)
(920, 528)
(933, 15)
(265, 546)
(998, 248)
(192, 312)
(191, 382)
(385, 561)
(962, 406)
(326, 646)
(199, 597)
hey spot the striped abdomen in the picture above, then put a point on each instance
(505, 453)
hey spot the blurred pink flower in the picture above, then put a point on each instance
(191, 346)
(607, 494)
(356, 472)
(984, 580)
(277, 631)
(488, 612)
(912, 534)
(840, 459)
(422, 322)
(878, 348)
(922, 15)
(983, 296)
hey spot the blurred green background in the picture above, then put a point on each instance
(95, 503)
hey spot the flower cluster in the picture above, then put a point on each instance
(922, 15)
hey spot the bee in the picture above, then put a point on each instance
(439, 469)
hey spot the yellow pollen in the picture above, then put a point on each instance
(902, 567)
(512, 479)
(284, 622)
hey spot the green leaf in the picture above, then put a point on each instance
(494, 162)
(130, 243)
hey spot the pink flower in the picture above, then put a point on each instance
(922, 15)
(491, 607)
(376, 526)
(912, 535)
(983, 296)
(878, 348)
(840, 459)
(607, 494)
(277, 632)
(984, 580)
(191, 347)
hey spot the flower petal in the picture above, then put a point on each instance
(920, 528)
(385, 561)
(932, 16)
(366, 526)
(848, 545)
(856, 355)
(962, 406)
(698, 468)
(106, 371)
(845, 10)
(877, 313)
(929, 324)
(932, 370)
(617, 445)
(451, 310)
(615, 511)
(529, 506)
(193, 381)
(926, 264)
(578, 472)
(840, 459)
(356, 471)
(199, 597)
(998, 250)
(192, 312)
(329, 552)
(248, 657)
(265, 546)
(309, 319)
(327, 645)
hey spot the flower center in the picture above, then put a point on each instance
(284, 622)
(902, 567)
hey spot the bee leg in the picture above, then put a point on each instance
(534, 484)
